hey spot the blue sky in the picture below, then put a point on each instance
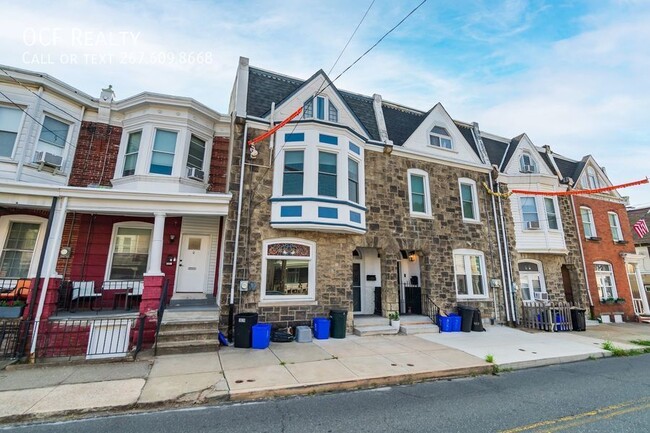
(572, 74)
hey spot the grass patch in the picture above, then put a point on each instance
(617, 351)
(489, 358)
(641, 342)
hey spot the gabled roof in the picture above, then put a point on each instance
(514, 143)
(634, 215)
(401, 122)
(265, 87)
(495, 149)
(569, 167)
(467, 133)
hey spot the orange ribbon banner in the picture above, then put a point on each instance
(580, 191)
(275, 128)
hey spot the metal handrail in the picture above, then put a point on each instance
(430, 308)
(161, 311)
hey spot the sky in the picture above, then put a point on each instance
(571, 74)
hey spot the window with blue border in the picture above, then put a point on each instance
(291, 211)
(328, 212)
(328, 139)
(292, 137)
(355, 217)
(327, 174)
(293, 177)
(354, 148)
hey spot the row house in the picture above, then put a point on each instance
(106, 202)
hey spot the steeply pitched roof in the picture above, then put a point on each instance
(495, 149)
(514, 143)
(634, 215)
(547, 160)
(401, 123)
(265, 87)
(570, 168)
(467, 133)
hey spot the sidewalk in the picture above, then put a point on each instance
(38, 392)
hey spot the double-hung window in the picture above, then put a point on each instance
(551, 213)
(293, 176)
(469, 270)
(130, 255)
(54, 135)
(131, 154)
(439, 137)
(588, 225)
(615, 225)
(353, 180)
(195, 156)
(164, 148)
(9, 124)
(419, 198)
(529, 214)
(531, 281)
(468, 200)
(327, 174)
(605, 280)
(18, 250)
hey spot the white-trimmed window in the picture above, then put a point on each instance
(419, 196)
(551, 213)
(527, 163)
(469, 272)
(605, 280)
(320, 108)
(288, 270)
(592, 178)
(21, 241)
(615, 226)
(162, 155)
(195, 157)
(353, 180)
(10, 119)
(131, 153)
(327, 163)
(440, 137)
(129, 251)
(530, 218)
(468, 200)
(294, 172)
(531, 281)
(53, 137)
(588, 225)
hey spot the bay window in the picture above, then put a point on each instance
(327, 174)
(9, 123)
(53, 137)
(353, 180)
(131, 154)
(551, 213)
(529, 214)
(164, 148)
(196, 154)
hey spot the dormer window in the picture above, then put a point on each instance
(323, 110)
(592, 179)
(527, 164)
(439, 137)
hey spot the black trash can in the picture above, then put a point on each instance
(244, 329)
(338, 320)
(466, 317)
(477, 322)
(578, 319)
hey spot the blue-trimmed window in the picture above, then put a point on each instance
(354, 148)
(327, 174)
(353, 180)
(320, 108)
(293, 177)
(164, 147)
(293, 137)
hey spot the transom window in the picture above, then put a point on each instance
(9, 124)
(588, 225)
(469, 270)
(164, 148)
(551, 213)
(529, 214)
(468, 199)
(419, 197)
(130, 254)
(439, 137)
(527, 163)
(288, 270)
(615, 226)
(605, 280)
(54, 135)
(18, 249)
(292, 179)
(131, 154)
(327, 174)
(531, 279)
(320, 108)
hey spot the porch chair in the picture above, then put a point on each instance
(84, 290)
(19, 292)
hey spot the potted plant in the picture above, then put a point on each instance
(394, 319)
(11, 309)
(619, 301)
(607, 300)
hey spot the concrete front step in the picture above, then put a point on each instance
(165, 335)
(187, 346)
(364, 331)
(419, 328)
(187, 325)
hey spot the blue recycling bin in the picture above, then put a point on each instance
(321, 328)
(450, 323)
(261, 335)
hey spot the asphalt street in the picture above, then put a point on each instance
(608, 395)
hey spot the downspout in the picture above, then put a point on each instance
(582, 253)
(231, 301)
(51, 266)
(504, 280)
(508, 264)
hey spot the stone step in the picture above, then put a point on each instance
(187, 334)
(364, 331)
(371, 321)
(187, 346)
(422, 328)
(182, 325)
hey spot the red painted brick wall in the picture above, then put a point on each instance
(218, 165)
(96, 154)
(608, 251)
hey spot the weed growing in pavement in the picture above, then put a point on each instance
(489, 358)
(641, 342)
(617, 351)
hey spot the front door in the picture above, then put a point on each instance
(193, 264)
(356, 287)
(566, 282)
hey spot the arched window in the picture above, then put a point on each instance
(592, 179)
(605, 280)
(527, 163)
(531, 281)
(320, 108)
(288, 270)
(440, 137)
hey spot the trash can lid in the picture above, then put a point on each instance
(338, 311)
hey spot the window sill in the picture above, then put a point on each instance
(452, 150)
(467, 221)
(278, 302)
(594, 239)
(421, 216)
(621, 242)
(472, 298)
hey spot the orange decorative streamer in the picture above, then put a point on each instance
(275, 128)
(580, 191)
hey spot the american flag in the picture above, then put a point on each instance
(641, 228)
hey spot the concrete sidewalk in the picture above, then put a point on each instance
(38, 392)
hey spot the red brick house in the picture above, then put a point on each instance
(105, 202)
(610, 259)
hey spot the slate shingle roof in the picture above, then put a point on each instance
(495, 149)
(466, 131)
(400, 124)
(569, 168)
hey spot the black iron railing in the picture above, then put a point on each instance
(161, 311)
(95, 296)
(430, 308)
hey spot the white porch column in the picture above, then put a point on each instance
(155, 258)
(644, 297)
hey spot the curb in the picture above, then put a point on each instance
(522, 365)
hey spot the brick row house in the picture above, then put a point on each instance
(105, 201)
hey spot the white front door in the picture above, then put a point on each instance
(193, 264)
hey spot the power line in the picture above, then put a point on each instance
(39, 96)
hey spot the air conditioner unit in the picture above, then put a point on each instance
(195, 173)
(541, 296)
(528, 169)
(532, 225)
(49, 159)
